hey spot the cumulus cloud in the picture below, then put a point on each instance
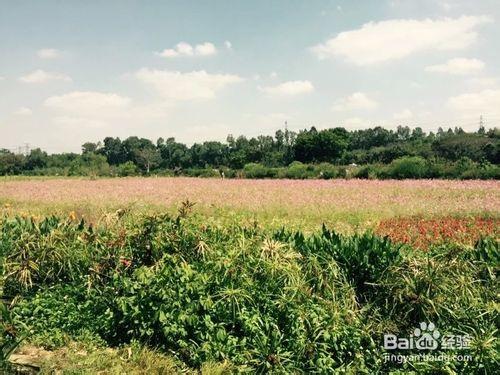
(355, 101)
(205, 49)
(472, 105)
(175, 85)
(41, 76)
(405, 114)
(186, 49)
(48, 53)
(228, 44)
(377, 42)
(88, 103)
(93, 109)
(23, 111)
(290, 88)
(457, 66)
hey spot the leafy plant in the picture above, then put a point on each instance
(9, 336)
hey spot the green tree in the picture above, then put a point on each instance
(147, 158)
(11, 163)
(37, 159)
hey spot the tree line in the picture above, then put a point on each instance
(309, 153)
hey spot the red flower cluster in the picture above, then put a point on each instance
(421, 233)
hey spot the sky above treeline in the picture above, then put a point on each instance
(76, 71)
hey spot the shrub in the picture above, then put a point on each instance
(298, 170)
(369, 171)
(255, 170)
(327, 171)
(408, 167)
(126, 169)
(202, 172)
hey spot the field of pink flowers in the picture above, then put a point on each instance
(301, 203)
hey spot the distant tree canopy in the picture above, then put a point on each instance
(317, 146)
(337, 146)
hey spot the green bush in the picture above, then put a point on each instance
(126, 169)
(369, 171)
(408, 167)
(327, 171)
(298, 170)
(201, 172)
(255, 170)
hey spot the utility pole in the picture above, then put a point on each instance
(481, 125)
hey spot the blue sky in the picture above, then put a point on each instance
(74, 71)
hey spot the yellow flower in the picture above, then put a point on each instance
(72, 215)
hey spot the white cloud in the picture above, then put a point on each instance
(377, 42)
(186, 49)
(41, 76)
(48, 53)
(92, 109)
(472, 105)
(228, 44)
(355, 101)
(181, 49)
(89, 103)
(290, 88)
(457, 66)
(205, 49)
(23, 111)
(405, 114)
(186, 86)
(2, 78)
(273, 75)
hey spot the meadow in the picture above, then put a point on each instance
(301, 204)
(212, 276)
